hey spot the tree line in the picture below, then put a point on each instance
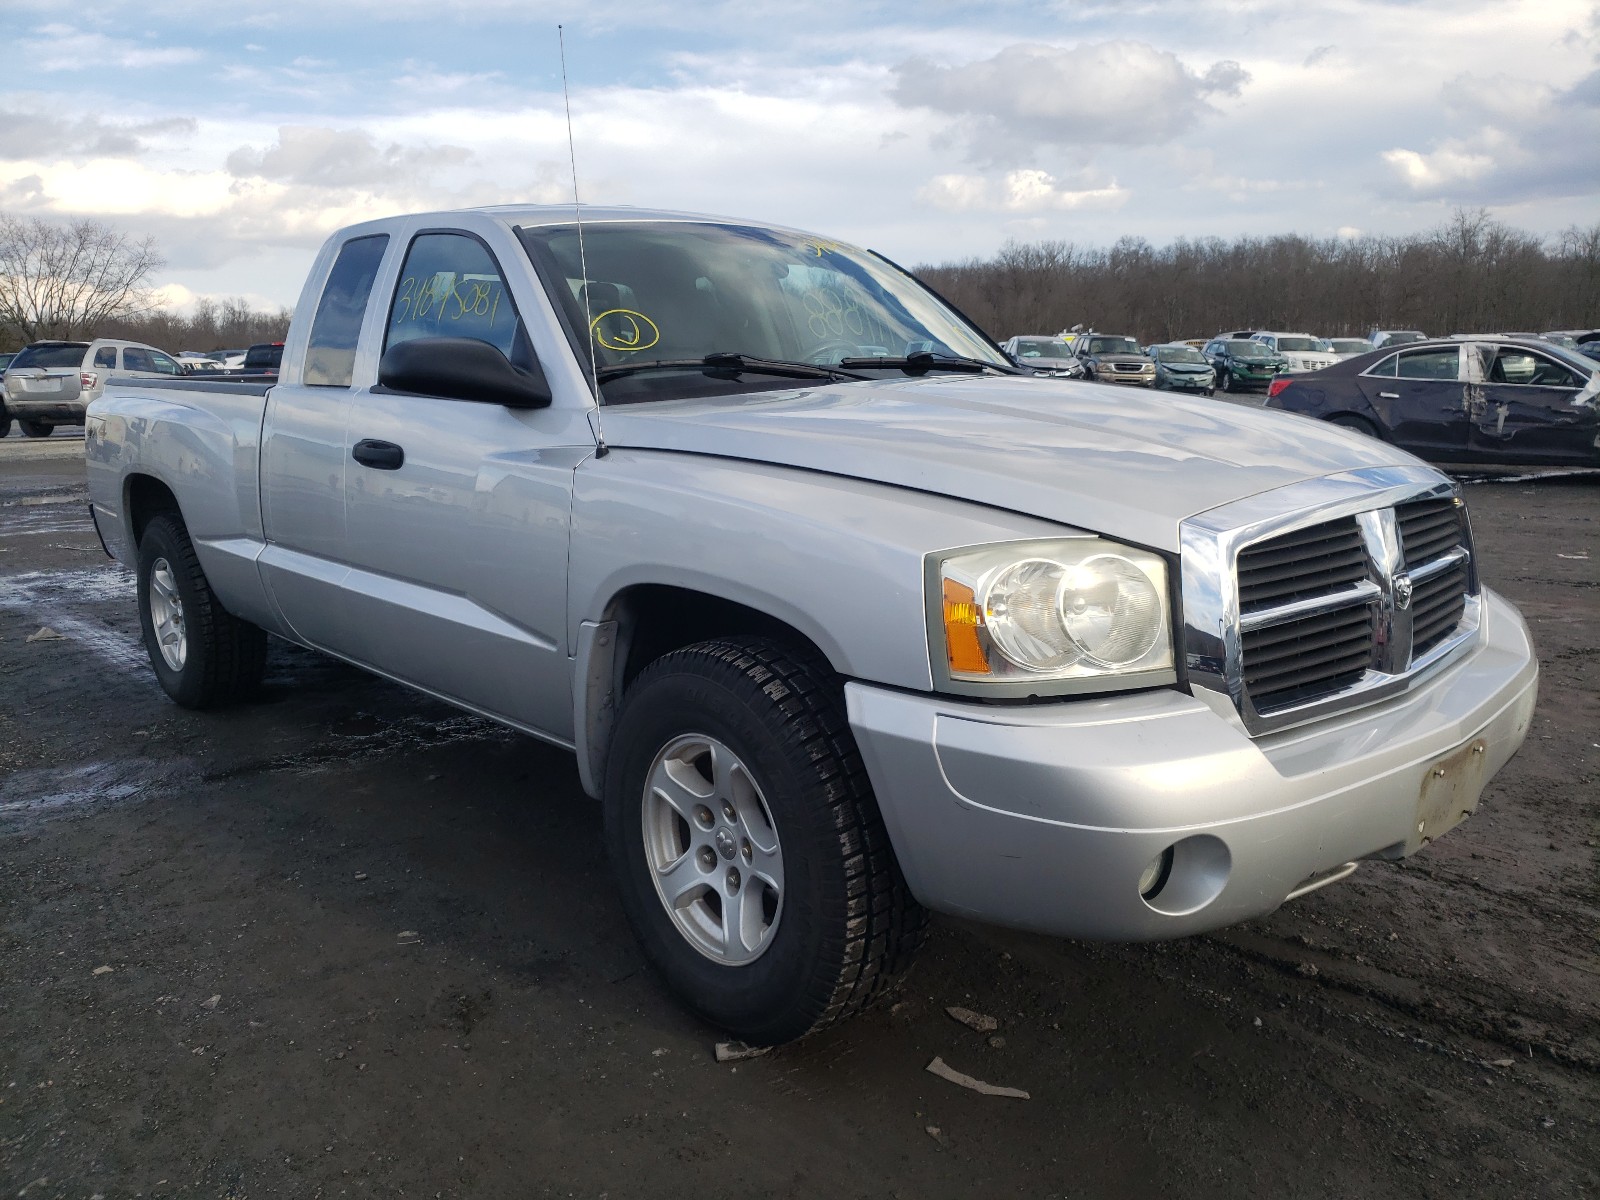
(1472, 274)
(80, 280)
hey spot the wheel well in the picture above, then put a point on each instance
(1357, 421)
(656, 619)
(148, 497)
(641, 624)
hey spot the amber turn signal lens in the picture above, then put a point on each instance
(961, 621)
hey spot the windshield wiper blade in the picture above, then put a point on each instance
(923, 361)
(730, 362)
(744, 364)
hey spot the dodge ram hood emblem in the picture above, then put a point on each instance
(1402, 592)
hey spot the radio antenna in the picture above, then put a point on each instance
(583, 259)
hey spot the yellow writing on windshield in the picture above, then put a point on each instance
(625, 330)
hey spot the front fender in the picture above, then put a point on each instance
(838, 559)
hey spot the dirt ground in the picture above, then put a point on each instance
(348, 941)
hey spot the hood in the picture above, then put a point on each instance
(1093, 456)
(1120, 357)
(1187, 368)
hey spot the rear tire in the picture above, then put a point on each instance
(36, 429)
(1351, 421)
(203, 655)
(749, 852)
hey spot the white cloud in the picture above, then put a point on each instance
(340, 158)
(68, 48)
(1109, 94)
(1024, 191)
(1523, 138)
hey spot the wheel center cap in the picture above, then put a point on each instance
(724, 841)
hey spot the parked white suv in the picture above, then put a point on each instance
(52, 383)
(1303, 351)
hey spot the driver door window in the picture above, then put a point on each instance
(451, 286)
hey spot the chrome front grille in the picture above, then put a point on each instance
(1350, 599)
(1305, 613)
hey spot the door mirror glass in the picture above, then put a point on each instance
(457, 368)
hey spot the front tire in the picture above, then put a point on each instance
(36, 429)
(1225, 381)
(203, 655)
(748, 849)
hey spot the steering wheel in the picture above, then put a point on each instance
(829, 353)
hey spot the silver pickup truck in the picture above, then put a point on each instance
(844, 617)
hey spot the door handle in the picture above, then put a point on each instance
(381, 456)
(1388, 395)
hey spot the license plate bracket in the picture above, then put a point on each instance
(1449, 794)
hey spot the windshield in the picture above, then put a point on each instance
(671, 292)
(1177, 354)
(1301, 345)
(68, 354)
(1113, 345)
(1042, 348)
(1350, 346)
(1244, 349)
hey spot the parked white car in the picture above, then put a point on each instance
(1304, 351)
(1344, 348)
(1393, 337)
(52, 383)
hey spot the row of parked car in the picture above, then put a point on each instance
(1505, 398)
(52, 383)
(1240, 360)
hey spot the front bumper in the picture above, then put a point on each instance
(1046, 817)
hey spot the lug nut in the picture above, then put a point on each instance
(702, 816)
(745, 850)
(732, 882)
(707, 858)
(728, 814)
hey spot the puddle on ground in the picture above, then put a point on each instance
(61, 600)
(50, 789)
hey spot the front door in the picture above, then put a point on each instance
(457, 512)
(1422, 397)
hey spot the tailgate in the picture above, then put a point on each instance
(35, 383)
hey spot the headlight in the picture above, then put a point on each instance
(1049, 617)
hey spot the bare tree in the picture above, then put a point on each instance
(59, 280)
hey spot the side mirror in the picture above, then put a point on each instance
(462, 369)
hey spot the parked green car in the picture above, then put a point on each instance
(1181, 368)
(1243, 365)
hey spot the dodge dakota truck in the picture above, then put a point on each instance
(844, 616)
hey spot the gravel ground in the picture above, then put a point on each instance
(350, 941)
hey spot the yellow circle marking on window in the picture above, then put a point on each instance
(626, 330)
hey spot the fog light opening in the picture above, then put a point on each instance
(1156, 875)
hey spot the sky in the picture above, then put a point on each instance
(240, 135)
